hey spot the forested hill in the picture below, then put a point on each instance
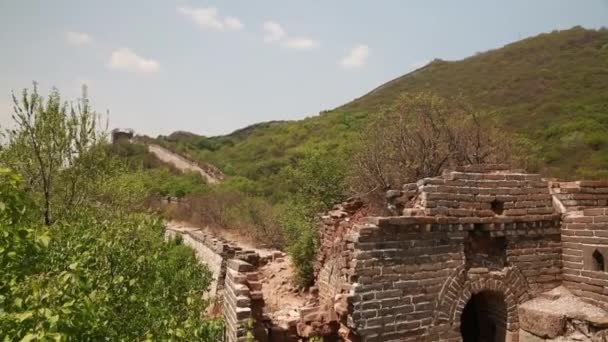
(551, 88)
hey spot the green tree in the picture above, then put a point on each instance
(316, 182)
(57, 148)
(104, 271)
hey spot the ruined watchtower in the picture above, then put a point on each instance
(121, 135)
(462, 255)
(480, 253)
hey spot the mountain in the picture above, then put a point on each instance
(551, 89)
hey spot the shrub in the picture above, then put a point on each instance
(98, 275)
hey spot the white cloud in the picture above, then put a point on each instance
(356, 58)
(273, 31)
(78, 38)
(127, 60)
(233, 23)
(210, 18)
(301, 43)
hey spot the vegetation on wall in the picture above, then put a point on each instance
(422, 134)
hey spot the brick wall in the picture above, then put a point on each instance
(574, 196)
(537, 255)
(334, 255)
(214, 252)
(399, 269)
(411, 277)
(585, 243)
(242, 302)
(485, 194)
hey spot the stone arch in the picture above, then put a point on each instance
(461, 285)
(509, 282)
(484, 318)
(448, 295)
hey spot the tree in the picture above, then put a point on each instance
(421, 135)
(317, 183)
(57, 149)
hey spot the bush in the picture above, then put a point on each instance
(78, 260)
(421, 135)
(97, 275)
(297, 221)
(317, 183)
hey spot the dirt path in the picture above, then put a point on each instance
(181, 163)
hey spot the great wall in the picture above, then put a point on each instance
(481, 253)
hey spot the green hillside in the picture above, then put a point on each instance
(552, 89)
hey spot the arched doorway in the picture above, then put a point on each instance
(484, 318)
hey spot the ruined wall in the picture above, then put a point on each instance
(487, 192)
(413, 277)
(205, 254)
(335, 252)
(579, 195)
(399, 267)
(536, 252)
(513, 210)
(214, 252)
(242, 302)
(482, 230)
(585, 254)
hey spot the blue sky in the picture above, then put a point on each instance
(211, 67)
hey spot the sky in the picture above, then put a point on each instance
(211, 67)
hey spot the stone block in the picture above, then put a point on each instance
(239, 265)
(541, 323)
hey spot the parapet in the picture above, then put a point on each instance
(482, 191)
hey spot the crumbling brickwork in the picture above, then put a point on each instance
(214, 252)
(242, 300)
(412, 280)
(479, 253)
(477, 242)
(576, 196)
(334, 255)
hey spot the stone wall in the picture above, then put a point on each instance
(489, 191)
(574, 196)
(242, 302)
(463, 250)
(334, 255)
(398, 269)
(585, 254)
(412, 278)
(537, 255)
(214, 252)
(482, 230)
